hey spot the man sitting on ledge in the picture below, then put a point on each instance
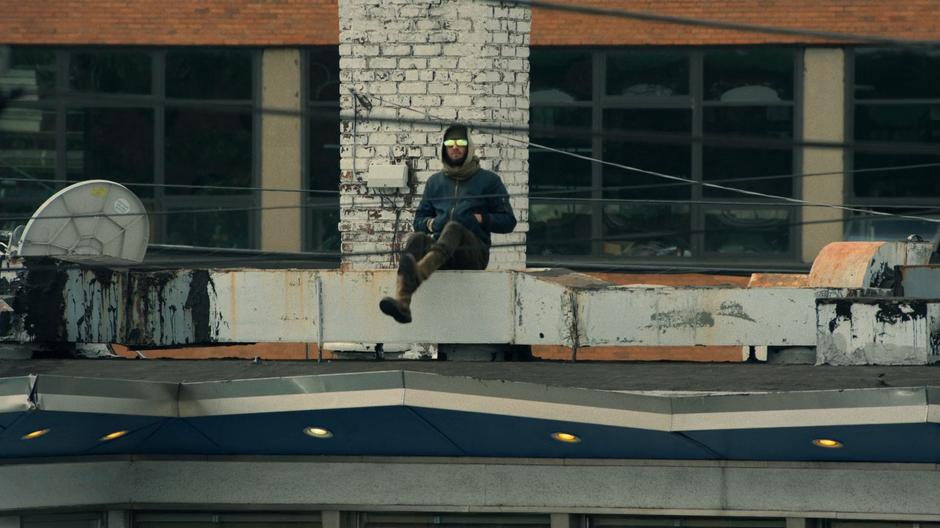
(462, 204)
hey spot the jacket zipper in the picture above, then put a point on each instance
(454, 208)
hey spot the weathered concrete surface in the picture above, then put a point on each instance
(185, 307)
(876, 491)
(878, 331)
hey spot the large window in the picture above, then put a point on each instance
(720, 116)
(176, 126)
(321, 204)
(896, 160)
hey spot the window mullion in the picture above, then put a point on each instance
(61, 113)
(597, 150)
(158, 88)
(696, 87)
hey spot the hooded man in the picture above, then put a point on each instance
(462, 204)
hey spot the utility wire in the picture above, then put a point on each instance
(318, 256)
(568, 132)
(536, 194)
(668, 176)
(562, 200)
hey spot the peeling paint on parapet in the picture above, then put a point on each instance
(198, 304)
(885, 331)
(896, 313)
(680, 319)
(734, 309)
(39, 297)
(157, 313)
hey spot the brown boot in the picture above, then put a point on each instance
(399, 307)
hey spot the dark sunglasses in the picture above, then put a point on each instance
(457, 142)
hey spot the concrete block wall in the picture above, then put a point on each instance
(423, 64)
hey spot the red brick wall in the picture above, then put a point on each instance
(908, 19)
(170, 22)
(313, 22)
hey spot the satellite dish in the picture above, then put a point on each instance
(92, 222)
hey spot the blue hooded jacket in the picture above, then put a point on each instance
(446, 198)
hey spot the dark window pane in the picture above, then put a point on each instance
(896, 74)
(111, 144)
(560, 75)
(907, 183)
(867, 227)
(227, 229)
(749, 75)
(16, 213)
(209, 74)
(110, 72)
(31, 70)
(720, 163)
(323, 74)
(912, 123)
(759, 231)
(745, 164)
(646, 230)
(647, 73)
(323, 224)
(323, 163)
(674, 158)
(322, 212)
(567, 129)
(557, 225)
(208, 148)
(27, 152)
(641, 230)
(765, 121)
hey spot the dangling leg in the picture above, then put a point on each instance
(451, 239)
(399, 307)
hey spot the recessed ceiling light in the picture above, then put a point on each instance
(34, 434)
(318, 432)
(113, 436)
(828, 443)
(567, 438)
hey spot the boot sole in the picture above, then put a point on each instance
(390, 307)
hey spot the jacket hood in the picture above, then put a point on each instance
(470, 159)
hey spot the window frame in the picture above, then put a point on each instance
(696, 103)
(161, 203)
(310, 202)
(850, 197)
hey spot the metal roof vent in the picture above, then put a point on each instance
(91, 222)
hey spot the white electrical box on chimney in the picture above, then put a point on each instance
(388, 176)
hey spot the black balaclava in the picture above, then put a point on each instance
(455, 132)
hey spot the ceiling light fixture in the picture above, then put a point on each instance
(567, 438)
(34, 434)
(318, 432)
(828, 443)
(113, 436)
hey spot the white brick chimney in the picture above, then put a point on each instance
(456, 60)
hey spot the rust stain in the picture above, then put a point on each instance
(843, 264)
(668, 279)
(778, 280)
(705, 354)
